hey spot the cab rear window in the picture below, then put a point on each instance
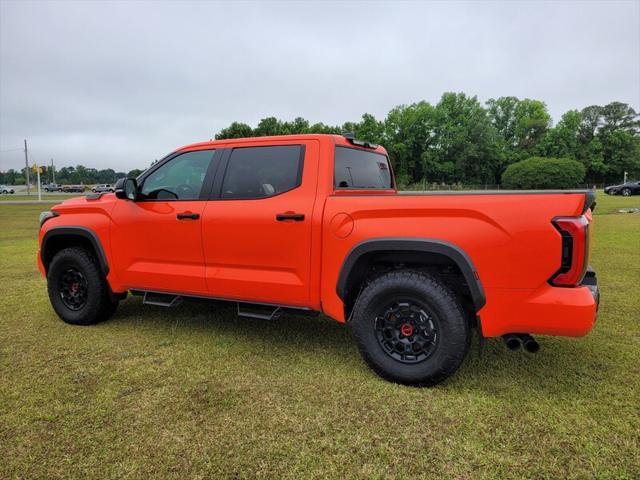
(361, 169)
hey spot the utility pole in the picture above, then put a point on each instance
(53, 172)
(39, 192)
(26, 162)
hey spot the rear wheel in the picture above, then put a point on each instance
(78, 290)
(410, 328)
(626, 192)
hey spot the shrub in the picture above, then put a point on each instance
(539, 172)
(403, 181)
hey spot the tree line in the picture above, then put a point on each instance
(66, 175)
(460, 140)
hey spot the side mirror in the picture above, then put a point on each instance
(127, 189)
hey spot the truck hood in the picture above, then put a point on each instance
(87, 203)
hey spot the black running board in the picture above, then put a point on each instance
(161, 299)
(259, 312)
(247, 309)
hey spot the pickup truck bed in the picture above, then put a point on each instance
(507, 237)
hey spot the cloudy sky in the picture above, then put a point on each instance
(118, 84)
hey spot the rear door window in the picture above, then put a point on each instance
(261, 172)
(361, 169)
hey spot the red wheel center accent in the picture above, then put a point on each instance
(406, 329)
(74, 287)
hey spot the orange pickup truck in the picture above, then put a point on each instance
(314, 223)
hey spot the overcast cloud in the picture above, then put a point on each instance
(119, 84)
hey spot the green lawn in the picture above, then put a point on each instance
(194, 392)
(55, 197)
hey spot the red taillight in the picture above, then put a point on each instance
(575, 250)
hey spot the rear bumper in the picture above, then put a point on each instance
(547, 310)
(591, 282)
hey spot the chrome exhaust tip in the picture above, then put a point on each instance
(529, 343)
(512, 341)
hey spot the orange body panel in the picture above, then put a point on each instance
(510, 239)
(251, 256)
(154, 251)
(236, 250)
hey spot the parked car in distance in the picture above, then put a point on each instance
(6, 189)
(73, 188)
(314, 223)
(105, 187)
(626, 189)
(52, 187)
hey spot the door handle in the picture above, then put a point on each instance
(188, 215)
(297, 217)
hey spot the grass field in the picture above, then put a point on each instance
(54, 197)
(197, 393)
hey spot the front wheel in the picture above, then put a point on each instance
(626, 192)
(410, 328)
(78, 291)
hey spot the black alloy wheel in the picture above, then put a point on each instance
(407, 331)
(78, 290)
(410, 328)
(73, 289)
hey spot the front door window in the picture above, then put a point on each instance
(181, 178)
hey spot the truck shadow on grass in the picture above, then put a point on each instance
(562, 363)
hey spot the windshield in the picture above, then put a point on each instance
(361, 169)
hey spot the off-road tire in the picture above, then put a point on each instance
(98, 305)
(453, 330)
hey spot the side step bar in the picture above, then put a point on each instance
(260, 313)
(161, 299)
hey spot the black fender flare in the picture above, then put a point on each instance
(435, 246)
(75, 231)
